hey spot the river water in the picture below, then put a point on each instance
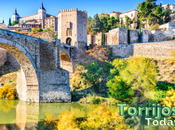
(20, 115)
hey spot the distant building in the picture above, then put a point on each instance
(15, 16)
(31, 23)
(39, 18)
(52, 21)
(172, 7)
(72, 26)
(104, 15)
(115, 14)
(172, 17)
(3, 26)
(131, 14)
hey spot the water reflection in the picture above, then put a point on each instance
(19, 115)
(22, 115)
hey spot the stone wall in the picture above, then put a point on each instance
(155, 49)
(122, 50)
(117, 36)
(3, 56)
(14, 63)
(158, 36)
(134, 36)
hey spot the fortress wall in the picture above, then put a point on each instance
(154, 49)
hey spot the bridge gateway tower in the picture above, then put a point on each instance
(72, 26)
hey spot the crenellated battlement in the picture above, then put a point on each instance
(71, 10)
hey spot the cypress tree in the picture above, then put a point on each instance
(140, 35)
(129, 39)
(2, 21)
(10, 24)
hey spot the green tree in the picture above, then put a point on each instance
(39, 29)
(93, 75)
(140, 35)
(140, 74)
(89, 25)
(167, 13)
(96, 24)
(14, 23)
(146, 10)
(2, 21)
(10, 24)
(128, 21)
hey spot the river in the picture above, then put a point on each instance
(20, 115)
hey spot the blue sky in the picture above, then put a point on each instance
(29, 7)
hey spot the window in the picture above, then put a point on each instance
(131, 15)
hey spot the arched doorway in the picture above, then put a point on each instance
(66, 63)
(68, 41)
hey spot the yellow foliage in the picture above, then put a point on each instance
(67, 121)
(102, 118)
(169, 100)
(7, 93)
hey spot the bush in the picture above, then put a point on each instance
(140, 74)
(93, 75)
(39, 29)
(67, 121)
(169, 100)
(154, 27)
(7, 93)
(119, 90)
(165, 86)
(118, 66)
(101, 118)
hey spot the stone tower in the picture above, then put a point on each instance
(42, 12)
(72, 26)
(15, 16)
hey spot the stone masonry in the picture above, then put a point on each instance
(41, 79)
(72, 26)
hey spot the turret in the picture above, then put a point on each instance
(15, 16)
(42, 12)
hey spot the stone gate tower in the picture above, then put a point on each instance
(72, 26)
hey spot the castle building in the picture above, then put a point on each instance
(72, 26)
(41, 17)
(15, 16)
(52, 21)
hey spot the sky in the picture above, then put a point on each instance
(29, 7)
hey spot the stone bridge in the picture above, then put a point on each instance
(41, 78)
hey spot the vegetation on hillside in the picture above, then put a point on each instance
(104, 79)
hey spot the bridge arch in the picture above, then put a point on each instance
(66, 62)
(27, 79)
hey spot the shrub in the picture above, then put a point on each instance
(93, 75)
(119, 90)
(140, 74)
(67, 121)
(39, 29)
(169, 100)
(7, 93)
(118, 66)
(165, 86)
(33, 30)
(154, 27)
(101, 118)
